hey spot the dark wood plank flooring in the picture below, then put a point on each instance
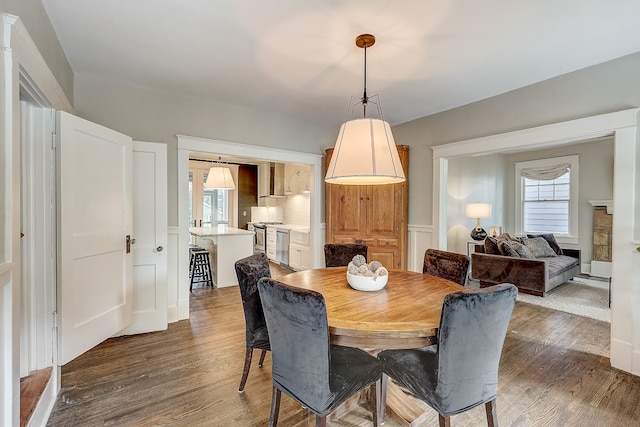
(554, 372)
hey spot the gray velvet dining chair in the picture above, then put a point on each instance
(249, 270)
(460, 371)
(340, 254)
(448, 265)
(304, 364)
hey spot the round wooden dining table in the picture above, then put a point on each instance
(404, 314)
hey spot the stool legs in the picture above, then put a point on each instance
(200, 268)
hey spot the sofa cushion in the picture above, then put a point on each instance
(521, 249)
(506, 249)
(551, 240)
(559, 264)
(539, 247)
(491, 246)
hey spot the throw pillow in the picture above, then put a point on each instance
(504, 236)
(521, 249)
(539, 247)
(551, 240)
(506, 249)
(491, 246)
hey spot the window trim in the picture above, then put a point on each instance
(572, 236)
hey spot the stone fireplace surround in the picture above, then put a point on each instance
(602, 237)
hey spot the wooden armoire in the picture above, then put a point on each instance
(376, 215)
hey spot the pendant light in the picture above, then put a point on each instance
(365, 152)
(219, 177)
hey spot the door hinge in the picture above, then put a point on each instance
(55, 319)
(53, 140)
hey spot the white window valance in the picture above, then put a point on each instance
(546, 173)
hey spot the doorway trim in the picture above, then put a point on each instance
(625, 283)
(21, 61)
(187, 144)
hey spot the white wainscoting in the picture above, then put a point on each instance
(420, 239)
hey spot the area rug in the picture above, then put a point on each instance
(582, 296)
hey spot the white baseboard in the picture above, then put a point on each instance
(183, 309)
(172, 313)
(621, 356)
(635, 368)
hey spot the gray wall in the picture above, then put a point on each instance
(608, 87)
(156, 116)
(151, 115)
(36, 21)
(492, 179)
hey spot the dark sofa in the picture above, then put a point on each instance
(531, 275)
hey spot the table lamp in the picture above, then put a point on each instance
(478, 210)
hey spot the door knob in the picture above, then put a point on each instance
(159, 249)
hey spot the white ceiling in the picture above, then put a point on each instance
(299, 57)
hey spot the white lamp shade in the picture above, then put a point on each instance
(478, 210)
(365, 154)
(220, 178)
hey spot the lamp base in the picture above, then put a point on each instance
(478, 233)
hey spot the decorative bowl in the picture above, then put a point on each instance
(369, 284)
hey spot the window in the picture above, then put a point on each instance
(547, 195)
(207, 207)
(546, 205)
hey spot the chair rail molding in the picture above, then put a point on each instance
(622, 126)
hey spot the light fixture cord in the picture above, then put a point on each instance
(365, 98)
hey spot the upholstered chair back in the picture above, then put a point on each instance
(448, 265)
(472, 331)
(248, 271)
(340, 254)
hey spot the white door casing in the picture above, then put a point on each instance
(95, 292)
(151, 238)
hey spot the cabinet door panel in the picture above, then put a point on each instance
(381, 218)
(388, 259)
(349, 205)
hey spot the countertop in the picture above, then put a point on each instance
(301, 228)
(220, 230)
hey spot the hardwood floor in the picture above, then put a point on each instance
(554, 372)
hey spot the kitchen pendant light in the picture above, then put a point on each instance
(219, 178)
(365, 152)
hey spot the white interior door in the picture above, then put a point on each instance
(151, 235)
(94, 219)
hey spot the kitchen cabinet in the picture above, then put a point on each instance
(299, 250)
(376, 215)
(271, 242)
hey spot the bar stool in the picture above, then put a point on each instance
(200, 270)
(192, 247)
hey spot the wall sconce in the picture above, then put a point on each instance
(306, 185)
(289, 192)
(478, 210)
(219, 178)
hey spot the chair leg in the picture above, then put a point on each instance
(382, 397)
(264, 353)
(321, 421)
(247, 365)
(275, 407)
(492, 414)
(444, 421)
(375, 401)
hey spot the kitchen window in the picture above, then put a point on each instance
(207, 207)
